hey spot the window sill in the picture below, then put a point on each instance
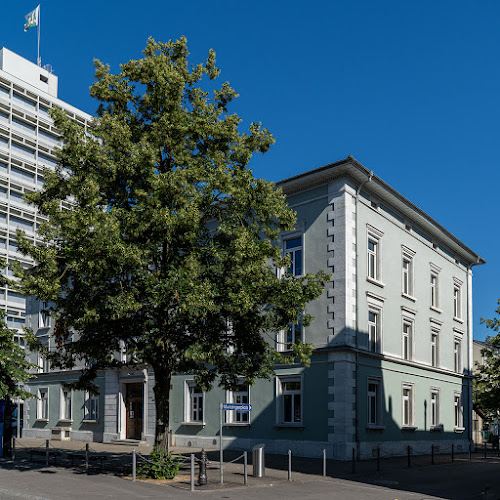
(375, 282)
(85, 421)
(409, 428)
(458, 320)
(237, 424)
(289, 426)
(437, 428)
(198, 424)
(375, 427)
(44, 327)
(459, 430)
(435, 309)
(65, 421)
(409, 297)
(44, 420)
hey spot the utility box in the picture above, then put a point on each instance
(258, 460)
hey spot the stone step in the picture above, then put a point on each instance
(128, 442)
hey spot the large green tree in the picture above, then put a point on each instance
(487, 377)
(169, 248)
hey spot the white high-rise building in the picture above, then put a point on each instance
(27, 142)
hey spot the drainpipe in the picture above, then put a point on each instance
(369, 179)
(469, 335)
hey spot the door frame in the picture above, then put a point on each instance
(122, 414)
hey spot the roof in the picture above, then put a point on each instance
(352, 168)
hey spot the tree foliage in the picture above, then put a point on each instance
(487, 379)
(170, 246)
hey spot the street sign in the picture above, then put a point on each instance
(236, 406)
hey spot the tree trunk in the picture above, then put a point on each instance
(162, 400)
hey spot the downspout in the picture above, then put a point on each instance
(470, 343)
(370, 175)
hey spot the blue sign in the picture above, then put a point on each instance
(236, 406)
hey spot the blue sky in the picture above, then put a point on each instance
(410, 89)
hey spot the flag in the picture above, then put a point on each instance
(32, 19)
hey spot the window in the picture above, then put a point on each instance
(239, 396)
(407, 405)
(43, 317)
(373, 331)
(458, 410)
(434, 348)
(457, 299)
(407, 271)
(407, 339)
(42, 411)
(294, 333)
(373, 258)
(43, 363)
(457, 350)
(66, 406)
(293, 248)
(373, 402)
(434, 290)
(290, 389)
(91, 408)
(194, 403)
(434, 408)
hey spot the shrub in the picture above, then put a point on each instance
(160, 465)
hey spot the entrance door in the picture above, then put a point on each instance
(134, 401)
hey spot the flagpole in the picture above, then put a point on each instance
(39, 60)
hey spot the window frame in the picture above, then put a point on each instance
(410, 399)
(43, 316)
(374, 271)
(457, 299)
(288, 236)
(282, 392)
(434, 287)
(457, 354)
(90, 414)
(374, 420)
(189, 386)
(232, 415)
(407, 338)
(458, 411)
(42, 408)
(282, 344)
(435, 415)
(434, 347)
(63, 416)
(375, 305)
(408, 273)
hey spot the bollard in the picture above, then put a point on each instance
(409, 456)
(202, 475)
(289, 465)
(245, 467)
(13, 449)
(378, 458)
(452, 452)
(432, 454)
(470, 450)
(353, 460)
(324, 462)
(86, 458)
(46, 452)
(192, 471)
(134, 464)
(484, 450)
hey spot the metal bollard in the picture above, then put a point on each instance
(13, 449)
(202, 476)
(484, 450)
(192, 471)
(134, 464)
(289, 465)
(324, 462)
(432, 454)
(86, 458)
(409, 465)
(378, 458)
(452, 452)
(245, 467)
(470, 450)
(46, 452)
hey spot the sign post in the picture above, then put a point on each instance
(228, 407)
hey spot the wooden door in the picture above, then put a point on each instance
(134, 403)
